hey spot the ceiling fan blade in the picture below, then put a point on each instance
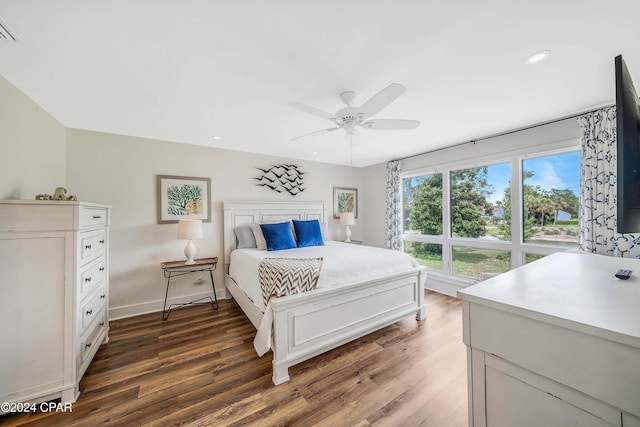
(383, 98)
(391, 124)
(318, 131)
(312, 110)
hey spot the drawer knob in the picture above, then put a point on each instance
(101, 269)
(89, 312)
(87, 345)
(102, 296)
(97, 216)
(101, 324)
(87, 246)
(88, 279)
(101, 241)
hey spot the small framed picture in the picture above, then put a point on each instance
(345, 200)
(183, 197)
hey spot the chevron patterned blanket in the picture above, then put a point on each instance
(287, 276)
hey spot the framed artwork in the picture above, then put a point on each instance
(345, 200)
(183, 197)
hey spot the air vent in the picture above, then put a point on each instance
(6, 33)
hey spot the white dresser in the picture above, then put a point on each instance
(555, 343)
(54, 293)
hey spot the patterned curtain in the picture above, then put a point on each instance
(598, 188)
(393, 220)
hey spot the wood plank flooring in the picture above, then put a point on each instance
(199, 368)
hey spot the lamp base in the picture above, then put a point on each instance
(347, 234)
(190, 253)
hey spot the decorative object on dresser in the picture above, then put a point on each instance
(345, 200)
(282, 178)
(60, 193)
(189, 229)
(183, 197)
(173, 269)
(347, 219)
(54, 256)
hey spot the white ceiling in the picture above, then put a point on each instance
(186, 70)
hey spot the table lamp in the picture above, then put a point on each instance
(347, 219)
(189, 229)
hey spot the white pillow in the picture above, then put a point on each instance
(261, 243)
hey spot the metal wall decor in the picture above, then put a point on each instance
(283, 178)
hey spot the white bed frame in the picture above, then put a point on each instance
(312, 323)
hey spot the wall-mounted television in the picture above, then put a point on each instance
(628, 150)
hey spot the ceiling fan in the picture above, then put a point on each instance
(350, 117)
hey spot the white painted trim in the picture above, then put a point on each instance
(125, 311)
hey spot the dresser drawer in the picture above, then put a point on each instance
(92, 340)
(92, 217)
(92, 244)
(92, 276)
(92, 308)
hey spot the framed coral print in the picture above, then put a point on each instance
(183, 197)
(345, 200)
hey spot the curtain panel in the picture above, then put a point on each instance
(598, 202)
(393, 218)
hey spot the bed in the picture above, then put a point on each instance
(342, 308)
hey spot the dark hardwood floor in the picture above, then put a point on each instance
(199, 368)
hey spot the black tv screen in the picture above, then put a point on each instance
(628, 150)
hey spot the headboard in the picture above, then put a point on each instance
(246, 212)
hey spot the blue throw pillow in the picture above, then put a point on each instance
(278, 236)
(308, 233)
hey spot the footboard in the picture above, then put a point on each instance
(306, 325)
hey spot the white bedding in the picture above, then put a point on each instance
(344, 263)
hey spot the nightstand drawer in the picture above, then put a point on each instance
(92, 308)
(92, 244)
(92, 276)
(91, 217)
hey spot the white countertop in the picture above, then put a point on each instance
(578, 291)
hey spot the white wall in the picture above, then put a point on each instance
(32, 145)
(121, 171)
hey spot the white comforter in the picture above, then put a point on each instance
(344, 263)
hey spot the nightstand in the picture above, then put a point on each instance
(172, 269)
(355, 242)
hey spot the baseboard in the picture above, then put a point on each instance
(445, 284)
(157, 305)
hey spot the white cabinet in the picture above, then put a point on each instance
(54, 287)
(555, 343)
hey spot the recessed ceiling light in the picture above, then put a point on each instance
(217, 138)
(315, 153)
(537, 57)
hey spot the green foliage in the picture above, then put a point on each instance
(346, 202)
(425, 207)
(179, 196)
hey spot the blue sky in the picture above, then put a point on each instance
(560, 171)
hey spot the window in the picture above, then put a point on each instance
(422, 207)
(476, 263)
(551, 203)
(459, 221)
(477, 196)
(427, 254)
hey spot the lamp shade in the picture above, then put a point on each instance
(190, 229)
(347, 218)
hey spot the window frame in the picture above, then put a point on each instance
(517, 247)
